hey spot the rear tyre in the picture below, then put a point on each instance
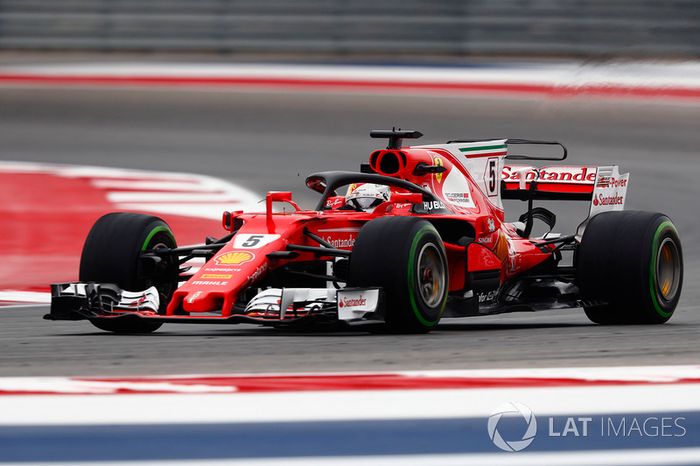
(406, 257)
(632, 261)
(111, 255)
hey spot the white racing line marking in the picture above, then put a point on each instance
(657, 374)
(200, 404)
(184, 194)
(339, 405)
(531, 377)
(651, 456)
(566, 74)
(5, 306)
(95, 401)
(12, 296)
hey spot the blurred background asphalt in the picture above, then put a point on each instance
(269, 139)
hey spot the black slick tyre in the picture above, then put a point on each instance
(630, 268)
(406, 257)
(111, 255)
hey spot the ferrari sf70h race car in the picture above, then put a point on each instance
(418, 234)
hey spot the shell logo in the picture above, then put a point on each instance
(234, 258)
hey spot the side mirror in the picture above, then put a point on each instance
(406, 198)
(279, 196)
(228, 220)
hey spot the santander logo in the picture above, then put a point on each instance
(563, 174)
(353, 302)
(608, 200)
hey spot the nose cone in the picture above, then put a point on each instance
(202, 301)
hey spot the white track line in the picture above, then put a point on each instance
(642, 457)
(4, 306)
(573, 74)
(208, 196)
(13, 296)
(341, 405)
(612, 373)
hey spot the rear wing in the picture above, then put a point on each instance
(604, 187)
(524, 182)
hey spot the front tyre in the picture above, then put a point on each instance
(632, 261)
(111, 255)
(406, 257)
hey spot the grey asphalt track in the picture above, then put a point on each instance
(271, 140)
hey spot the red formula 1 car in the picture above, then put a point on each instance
(418, 234)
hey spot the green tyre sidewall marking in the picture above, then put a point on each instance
(411, 281)
(667, 225)
(155, 231)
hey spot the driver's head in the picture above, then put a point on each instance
(367, 196)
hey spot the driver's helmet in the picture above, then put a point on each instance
(366, 196)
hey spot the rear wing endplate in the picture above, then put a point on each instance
(604, 186)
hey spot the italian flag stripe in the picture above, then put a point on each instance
(482, 148)
(485, 154)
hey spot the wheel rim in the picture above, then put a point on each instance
(668, 269)
(431, 275)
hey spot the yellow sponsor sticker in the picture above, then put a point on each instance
(216, 276)
(234, 258)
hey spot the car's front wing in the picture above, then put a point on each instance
(295, 306)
